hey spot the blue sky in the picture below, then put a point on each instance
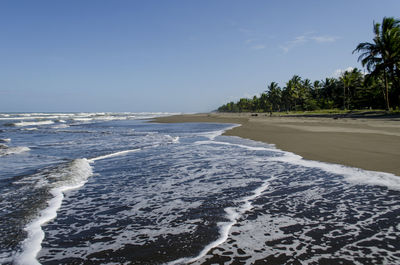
(173, 56)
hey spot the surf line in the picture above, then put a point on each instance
(81, 170)
(113, 154)
(233, 216)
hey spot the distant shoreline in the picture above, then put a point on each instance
(371, 143)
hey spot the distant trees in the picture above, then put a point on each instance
(380, 88)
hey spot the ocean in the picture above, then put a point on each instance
(112, 188)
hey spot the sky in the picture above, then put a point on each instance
(171, 56)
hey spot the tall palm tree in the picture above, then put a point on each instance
(347, 79)
(382, 56)
(274, 95)
(293, 87)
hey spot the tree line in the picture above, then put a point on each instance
(379, 88)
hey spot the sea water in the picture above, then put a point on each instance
(111, 188)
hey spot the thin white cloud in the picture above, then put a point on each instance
(249, 41)
(254, 44)
(321, 39)
(340, 72)
(245, 30)
(305, 38)
(258, 47)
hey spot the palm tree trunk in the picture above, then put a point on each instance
(344, 96)
(396, 85)
(387, 90)
(348, 97)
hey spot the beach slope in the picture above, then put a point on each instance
(367, 143)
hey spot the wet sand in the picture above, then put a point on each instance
(367, 143)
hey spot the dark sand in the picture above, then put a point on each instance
(367, 143)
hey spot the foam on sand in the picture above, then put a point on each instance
(255, 148)
(73, 176)
(213, 134)
(351, 174)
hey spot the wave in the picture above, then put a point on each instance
(5, 140)
(113, 154)
(172, 139)
(351, 174)
(34, 117)
(32, 123)
(60, 126)
(70, 176)
(213, 134)
(63, 178)
(5, 150)
(254, 148)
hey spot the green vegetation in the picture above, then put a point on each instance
(379, 89)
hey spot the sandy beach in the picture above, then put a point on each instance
(367, 143)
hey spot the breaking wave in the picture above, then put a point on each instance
(5, 150)
(32, 123)
(70, 176)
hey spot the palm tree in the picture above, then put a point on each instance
(382, 56)
(274, 96)
(347, 79)
(293, 89)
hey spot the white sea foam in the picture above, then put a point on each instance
(233, 216)
(351, 174)
(60, 126)
(172, 139)
(29, 129)
(82, 119)
(113, 155)
(5, 140)
(33, 123)
(213, 134)
(73, 176)
(255, 148)
(13, 150)
(42, 116)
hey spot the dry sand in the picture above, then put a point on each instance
(367, 143)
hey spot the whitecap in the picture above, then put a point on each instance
(5, 150)
(73, 176)
(60, 126)
(33, 123)
(171, 139)
(113, 154)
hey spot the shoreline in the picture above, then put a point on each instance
(370, 144)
